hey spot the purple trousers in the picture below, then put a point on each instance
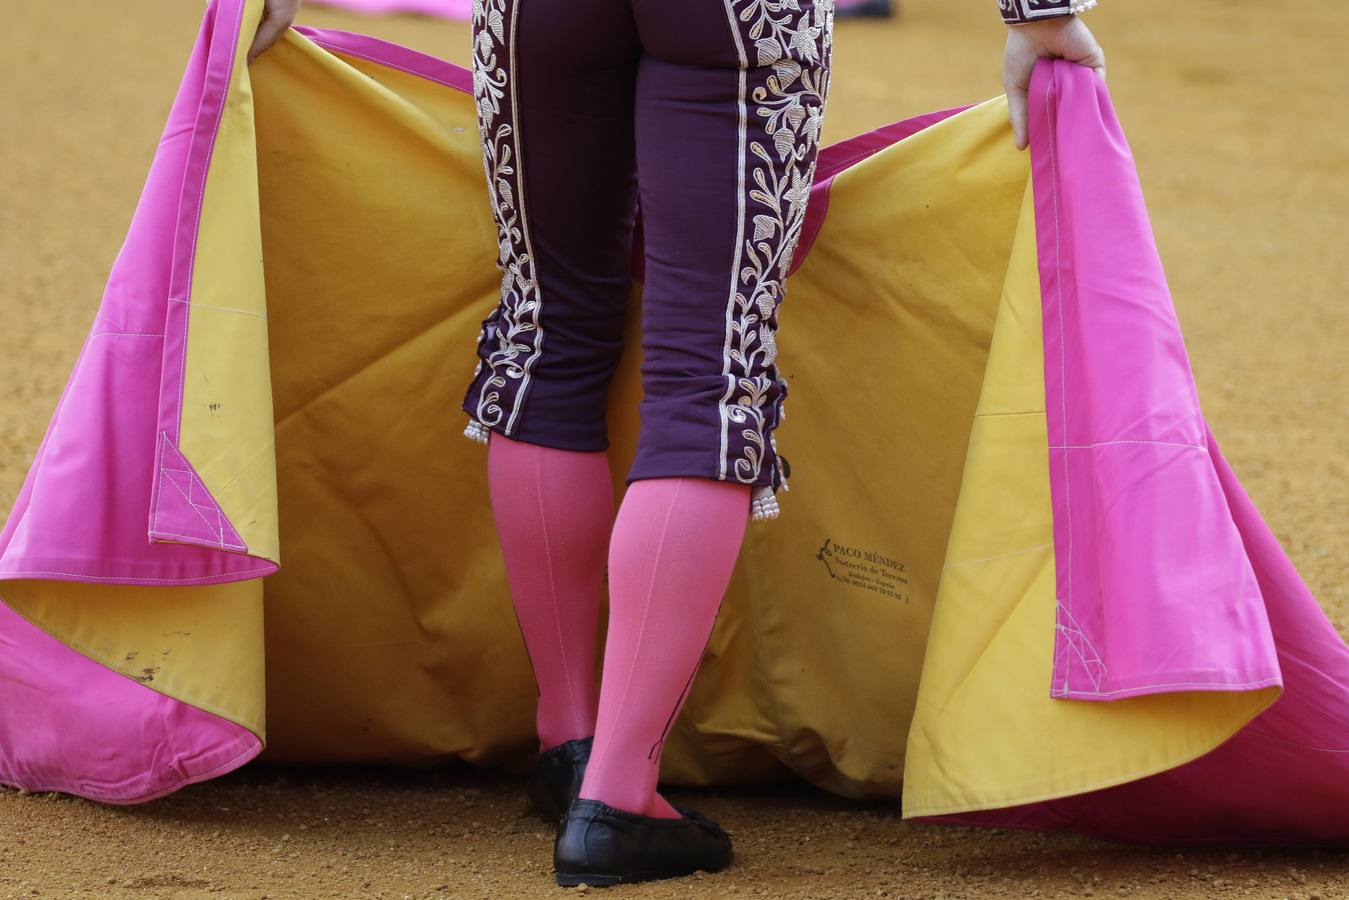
(707, 115)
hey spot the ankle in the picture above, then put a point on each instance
(655, 806)
(554, 741)
(556, 724)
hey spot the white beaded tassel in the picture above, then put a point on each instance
(477, 431)
(763, 502)
(763, 505)
(1080, 6)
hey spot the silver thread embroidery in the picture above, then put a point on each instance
(791, 101)
(514, 325)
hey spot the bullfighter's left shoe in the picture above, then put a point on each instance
(557, 776)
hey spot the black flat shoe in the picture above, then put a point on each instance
(557, 775)
(599, 845)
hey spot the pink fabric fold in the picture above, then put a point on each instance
(1155, 590)
(75, 726)
(83, 510)
(444, 9)
(1168, 579)
(68, 723)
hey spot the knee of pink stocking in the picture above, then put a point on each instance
(671, 556)
(553, 511)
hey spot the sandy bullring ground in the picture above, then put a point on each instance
(1238, 113)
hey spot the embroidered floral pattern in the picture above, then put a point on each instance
(511, 339)
(1015, 12)
(784, 48)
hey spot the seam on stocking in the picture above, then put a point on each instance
(688, 685)
(664, 732)
(552, 586)
(646, 602)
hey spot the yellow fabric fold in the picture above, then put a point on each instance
(986, 732)
(226, 390)
(202, 644)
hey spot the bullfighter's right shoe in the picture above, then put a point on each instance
(600, 845)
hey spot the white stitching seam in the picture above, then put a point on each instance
(136, 579)
(1223, 685)
(159, 484)
(1112, 443)
(1063, 370)
(219, 527)
(1010, 553)
(228, 309)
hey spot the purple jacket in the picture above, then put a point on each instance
(1015, 12)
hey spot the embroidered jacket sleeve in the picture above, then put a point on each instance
(1017, 12)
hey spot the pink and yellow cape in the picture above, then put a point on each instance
(1013, 572)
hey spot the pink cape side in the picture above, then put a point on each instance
(70, 724)
(1168, 579)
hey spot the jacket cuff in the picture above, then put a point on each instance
(1018, 12)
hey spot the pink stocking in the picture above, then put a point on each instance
(671, 556)
(554, 510)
